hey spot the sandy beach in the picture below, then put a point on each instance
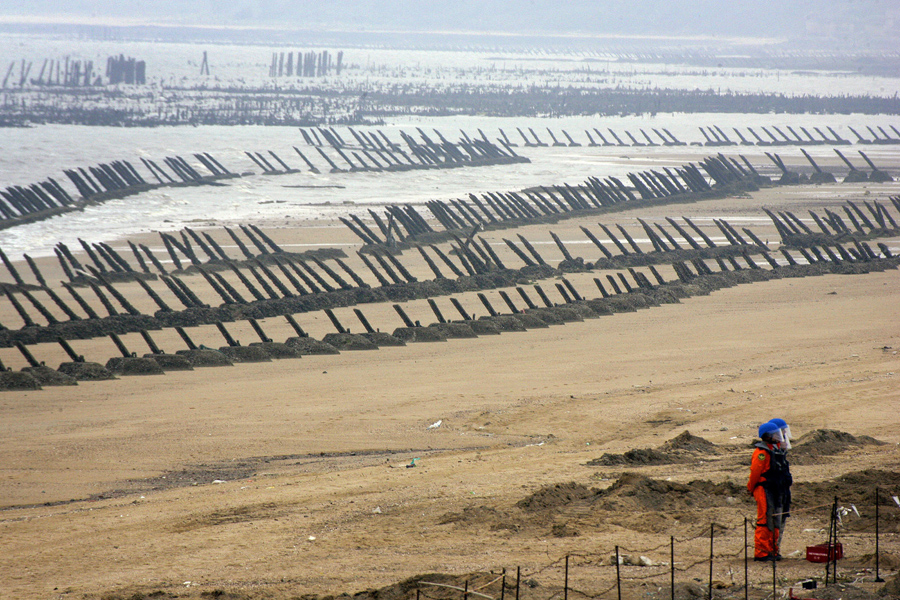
(292, 477)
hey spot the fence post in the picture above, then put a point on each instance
(503, 585)
(774, 580)
(618, 579)
(878, 578)
(830, 552)
(466, 592)
(746, 564)
(518, 579)
(566, 585)
(711, 532)
(672, 563)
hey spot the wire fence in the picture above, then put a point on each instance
(634, 576)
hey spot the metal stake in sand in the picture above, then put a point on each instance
(712, 527)
(828, 546)
(746, 563)
(672, 562)
(618, 577)
(518, 579)
(878, 578)
(774, 579)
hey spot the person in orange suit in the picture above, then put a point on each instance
(767, 483)
(789, 480)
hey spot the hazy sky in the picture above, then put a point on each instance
(847, 22)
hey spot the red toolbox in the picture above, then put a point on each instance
(824, 552)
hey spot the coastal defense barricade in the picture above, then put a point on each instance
(374, 151)
(498, 210)
(714, 176)
(308, 64)
(477, 266)
(100, 183)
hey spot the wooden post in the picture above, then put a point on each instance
(120, 345)
(26, 318)
(460, 309)
(543, 296)
(73, 356)
(406, 320)
(525, 297)
(225, 334)
(487, 305)
(240, 244)
(150, 343)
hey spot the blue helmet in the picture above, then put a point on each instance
(769, 427)
(785, 430)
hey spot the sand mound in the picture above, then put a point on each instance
(637, 492)
(17, 380)
(406, 590)
(555, 496)
(245, 354)
(857, 489)
(309, 346)
(686, 442)
(171, 362)
(633, 502)
(133, 366)
(638, 456)
(205, 358)
(86, 371)
(584, 310)
(45, 376)
(382, 338)
(891, 589)
(484, 327)
(681, 448)
(566, 313)
(547, 316)
(277, 349)
(889, 561)
(856, 176)
(349, 341)
(419, 334)
(505, 323)
(530, 321)
(811, 447)
(600, 306)
(454, 330)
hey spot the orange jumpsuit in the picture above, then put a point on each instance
(768, 513)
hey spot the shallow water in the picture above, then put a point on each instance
(33, 154)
